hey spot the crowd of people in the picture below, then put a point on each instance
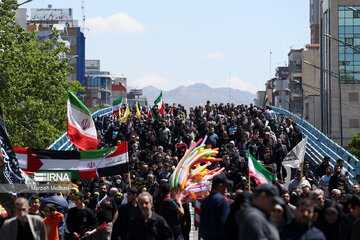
(319, 202)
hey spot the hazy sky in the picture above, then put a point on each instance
(167, 43)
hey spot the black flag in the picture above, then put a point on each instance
(10, 171)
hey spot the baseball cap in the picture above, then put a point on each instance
(270, 190)
(232, 142)
(50, 207)
(79, 195)
(221, 179)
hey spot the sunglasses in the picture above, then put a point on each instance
(34, 200)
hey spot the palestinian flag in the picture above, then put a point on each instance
(84, 164)
(160, 103)
(257, 171)
(266, 99)
(116, 106)
(81, 127)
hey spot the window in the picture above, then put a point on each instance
(307, 111)
(349, 41)
(349, 32)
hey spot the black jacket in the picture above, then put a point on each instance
(294, 231)
(156, 228)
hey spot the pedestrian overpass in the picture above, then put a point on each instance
(318, 145)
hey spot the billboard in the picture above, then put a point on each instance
(48, 14)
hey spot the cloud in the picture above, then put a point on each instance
(215, 56)
(236, 82)
(117, 23)
(153, 80)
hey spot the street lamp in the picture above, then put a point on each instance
(335, 75)
(353, 9)
(308, 85)
(353, 47)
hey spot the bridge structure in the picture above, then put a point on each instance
(318, 145)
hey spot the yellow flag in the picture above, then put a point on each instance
(138, 114)
(126, 114)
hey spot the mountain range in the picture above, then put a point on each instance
(198, 94)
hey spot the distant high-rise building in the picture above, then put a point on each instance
(44, 19)
(340, 68)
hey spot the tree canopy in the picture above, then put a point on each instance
(33, 82)
(354, 145)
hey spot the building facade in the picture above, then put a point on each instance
(295, 80)
(311, 85)
(280, 85)
(314, 21)
(44, 19)
(340, 68)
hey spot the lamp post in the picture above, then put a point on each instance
(353, 47)
(353, 9)
(335, 75)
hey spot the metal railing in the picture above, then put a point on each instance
(319, 145)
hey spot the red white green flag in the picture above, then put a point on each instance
(160, 103)
(257, 171)
(116, 106)
(266, 99)
(84, 164)
(81, 127)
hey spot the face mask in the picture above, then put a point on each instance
(118, 181)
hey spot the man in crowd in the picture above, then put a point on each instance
(253, 221)
(170, 209)
(302, 226)
(51, 221)
(214, 210)
(23, 226)
(80, 219)
(128, 212)
(148, 225)
(106, 211)
(35, 206)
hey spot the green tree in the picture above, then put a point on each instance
(33, 82)
(354, 145)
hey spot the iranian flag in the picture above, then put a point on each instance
(81, 127)
(266, 99)
(116, 106)
(151, 113)
(160, 103)
(257, 171)
(84, 164)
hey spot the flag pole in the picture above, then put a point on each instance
(249, 183)
(128, 165)
(302, 170)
